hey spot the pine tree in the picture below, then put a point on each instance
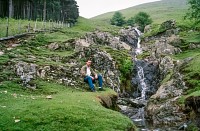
(57, 10)
(118, 19)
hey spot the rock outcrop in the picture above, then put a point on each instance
(152, 78)
(192, 105)
(129, 36)
(68, 71)
(162, 107)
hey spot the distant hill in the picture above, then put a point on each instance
(159, 11)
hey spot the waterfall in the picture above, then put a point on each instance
(140, 71)
(139, 40)
(142, 83)
(138, 49)
(139, 116)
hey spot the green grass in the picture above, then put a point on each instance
(82, 27)
(192, 76)
(188, 53)
(21, 26)
(4, 59)
(191, 37)
(79, 29)
(191, 73)
(159, 11)
(69, 109)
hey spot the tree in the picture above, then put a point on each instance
(45, 11)
(57, 10)
(193, 11)
(142, 19)
(118, 19)
(10, 8)
(131, 21)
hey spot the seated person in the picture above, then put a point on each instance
(90, 76)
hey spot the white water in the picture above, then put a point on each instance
(140, 70)
(139, 116)
(142, 82)
(138, 50)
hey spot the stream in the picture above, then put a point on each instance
(134, 105)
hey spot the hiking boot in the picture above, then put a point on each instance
(101, 89)
(93, 90)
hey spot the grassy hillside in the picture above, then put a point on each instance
(69, 108)
(82, 26)
(159, 11)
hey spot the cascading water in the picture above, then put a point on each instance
(138, 50)
(141, 80)
(146, 79)
(140, 71)
(139, 116)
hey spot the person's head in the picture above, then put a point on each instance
(88, 63)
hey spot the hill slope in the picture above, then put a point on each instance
(159, 11)
(48, 104)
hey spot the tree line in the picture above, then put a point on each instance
(55, 10)
(141, 19)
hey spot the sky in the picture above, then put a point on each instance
(91, 8)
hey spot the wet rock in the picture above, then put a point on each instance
(129, 36)
(163, 104)
(165, 112)
(136, 103)
(193, 102)
(151, 78)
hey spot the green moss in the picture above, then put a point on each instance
(192, 127)
(143, 55)
(181, 100)
(154, 31)
(168, 77)
(124, 63)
